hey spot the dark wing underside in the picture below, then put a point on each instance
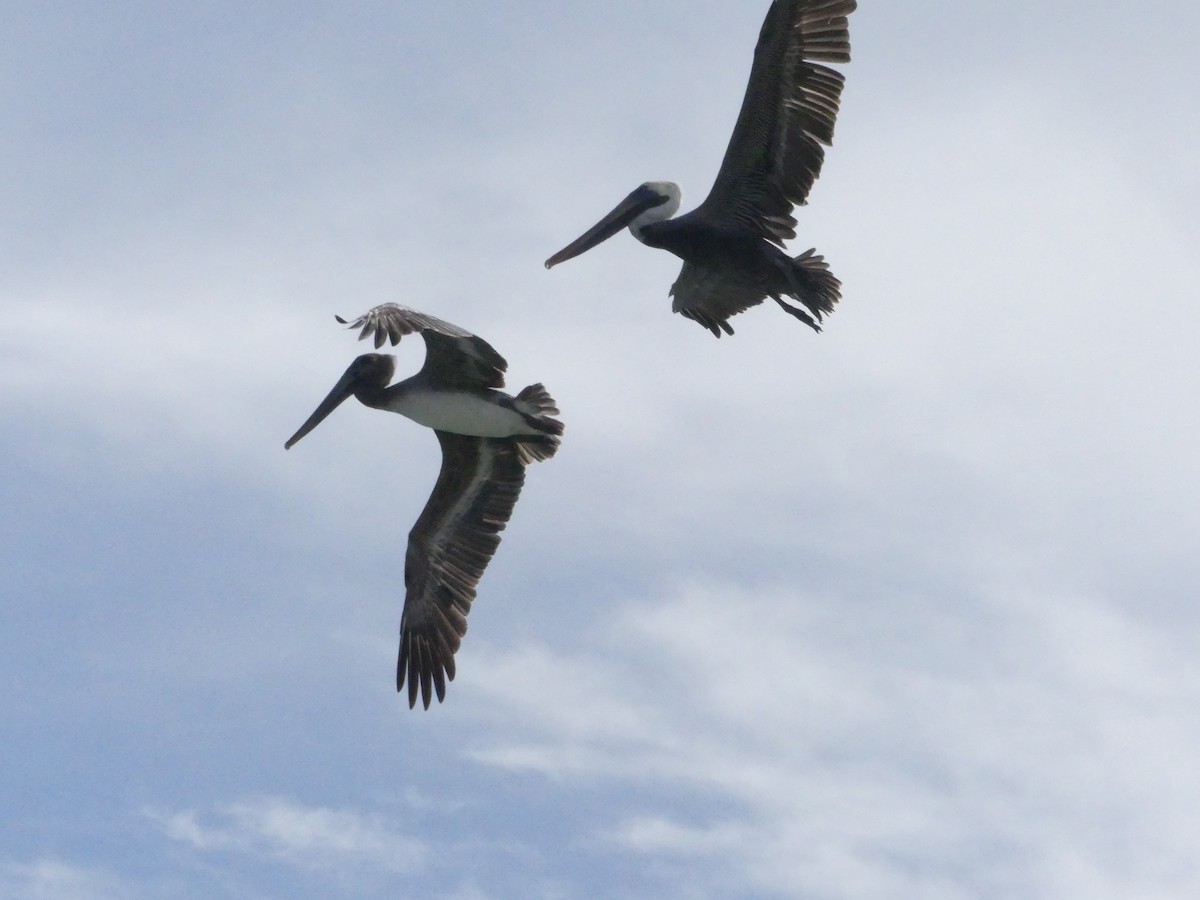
(786, 120)
(448, 549)
(711, 294)
(453, 356)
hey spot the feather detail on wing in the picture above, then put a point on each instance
(786, 119)
(457, 357)
(448, 550)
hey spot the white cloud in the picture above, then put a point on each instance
(289, 832)
(54, 879)
(1023, 743)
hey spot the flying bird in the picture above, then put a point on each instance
(488, 437)
(731, 243)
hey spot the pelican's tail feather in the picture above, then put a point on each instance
(533, 448)
(537, 406)
(536, 401)
(812, 284)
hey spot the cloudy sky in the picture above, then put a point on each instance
(904, 609)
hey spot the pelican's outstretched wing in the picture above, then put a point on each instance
(448, 549)
(788, 113)
(453, 355)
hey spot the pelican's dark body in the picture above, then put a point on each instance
(735, 270)
(731, 243)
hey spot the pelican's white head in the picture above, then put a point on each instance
(663, 197)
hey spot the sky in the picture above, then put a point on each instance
(903, 609)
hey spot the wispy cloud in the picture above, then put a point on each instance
(54, 879)
(289, 832)
(879, 750)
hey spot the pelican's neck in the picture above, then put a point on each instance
(661, 212)
(382, 396)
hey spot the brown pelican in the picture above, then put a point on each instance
(487, 438)
(730, 244)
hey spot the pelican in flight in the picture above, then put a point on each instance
(731, 243)
(487, 438)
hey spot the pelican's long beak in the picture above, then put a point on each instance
(341, 391)
(638, 201)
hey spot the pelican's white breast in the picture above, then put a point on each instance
(461, 413)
